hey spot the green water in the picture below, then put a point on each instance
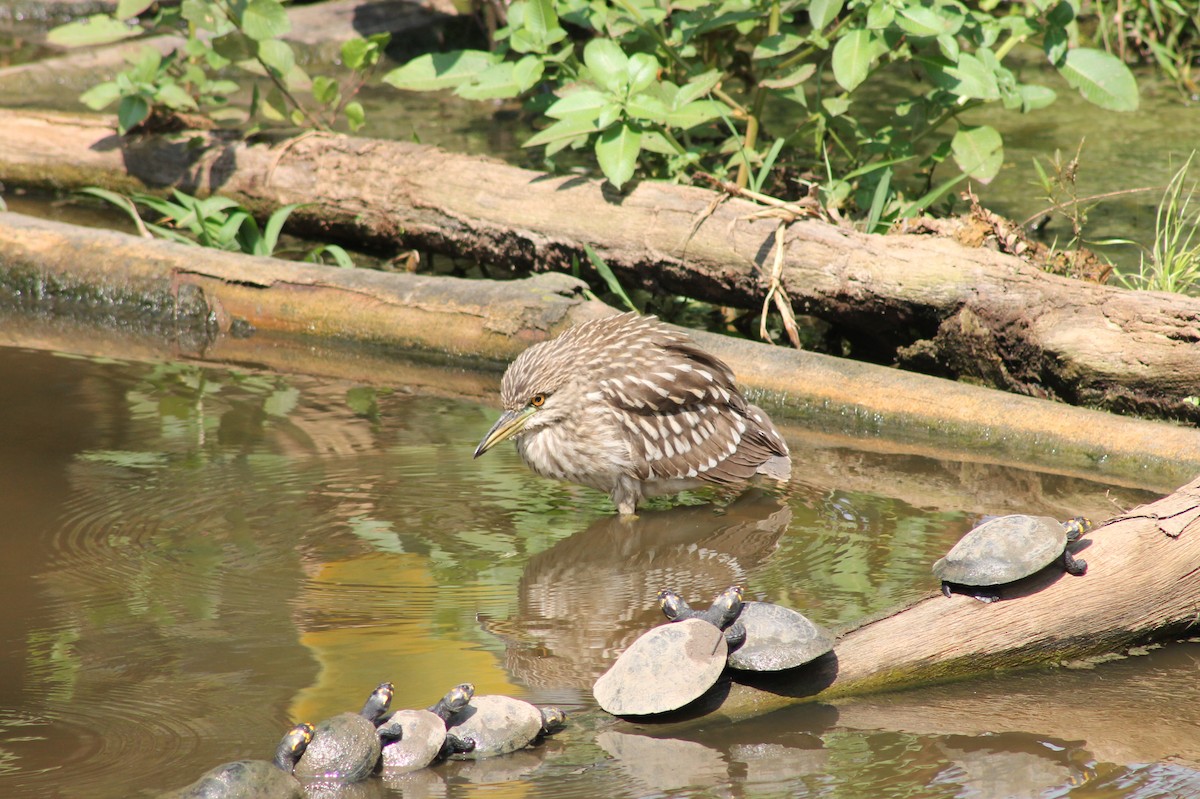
(195, 558)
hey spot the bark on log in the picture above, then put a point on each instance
(961, 311)
(222, 305)
(1141, 585)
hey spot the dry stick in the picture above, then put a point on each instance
(776, 292)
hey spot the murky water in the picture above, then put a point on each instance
(194, 558)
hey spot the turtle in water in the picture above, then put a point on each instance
(672, 665)
(774, 638)
(346, 747)
(257, 778)
(1007, 548)
(724, 612)
(497, 725)
(416, 738)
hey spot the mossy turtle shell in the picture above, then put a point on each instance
(1003, 550)
(344, 748)
(423, 733)
(663, 670)
(777, 638)
(497, 725)
(242, 778)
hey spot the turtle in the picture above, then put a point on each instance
(420, 736)
(723, 613)
(670, 666)
(774, 638)
(498, 724)
(346, 747)
(254, 778)
(1007, 548)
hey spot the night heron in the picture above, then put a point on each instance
(636, 409)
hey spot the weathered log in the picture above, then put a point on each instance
(221, 305)
(961, 311)
(1141, 586)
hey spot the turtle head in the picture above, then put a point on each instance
(553, 719)
(674, 607)
(1077, 527)
(377, 703)
(726, 607)
(293, 745)
(453, 702)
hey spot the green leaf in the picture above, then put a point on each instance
(94, 30)
(978, 151)
(617, 151)
(696, 113)
(354, 53)
(563, 129)
(325, 90)
(642, 71)
(880, 16)
(340, 256)
(1034, 97)
(234, 46)
(920, 21)
(606, 274)
(823, 12)
(101, 95)
(131, 112)
(131, 8)
(607, 63)
(647, 107)
(1055, 43)
(440, 70)
(527, 72)
(777, 45)
(836, 106)
(581, 104)
(968, 78)
(174, 96)
(356, 117)
(698, 86)
(853, 56)
(263, 20)
(540, 17)
(277, 56)
(275, 224)
(497, 81)
(793, 78)
(1101, 78)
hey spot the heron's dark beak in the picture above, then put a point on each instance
(508, 425)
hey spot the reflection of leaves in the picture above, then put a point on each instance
(125, 459)
(379, 534)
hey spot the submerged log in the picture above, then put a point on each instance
(922, 300)
(220, 305)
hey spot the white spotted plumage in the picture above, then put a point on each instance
(636, 409)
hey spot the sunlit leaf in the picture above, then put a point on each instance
(101, 95)
(617, 151)
(823, 12)
(436, 71)
(356, 117)
(278, 56)
(777, 45)
(978, 151)
(263, 20)
(607, 63)
(853, 56)
(94, 30)
(131, 8)
(1101, 78)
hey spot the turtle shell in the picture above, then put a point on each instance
(344, 748)
(1003, 550)
(663, 670)
(497, 725)
(422, 736)
(242, 778)
(777, 638)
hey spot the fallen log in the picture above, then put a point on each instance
(959, 311)
(227, 306)
(1141, 586)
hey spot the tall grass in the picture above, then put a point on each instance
(1173, 261)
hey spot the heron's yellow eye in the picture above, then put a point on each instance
(538, 400)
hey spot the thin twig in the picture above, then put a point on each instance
(776, 293)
